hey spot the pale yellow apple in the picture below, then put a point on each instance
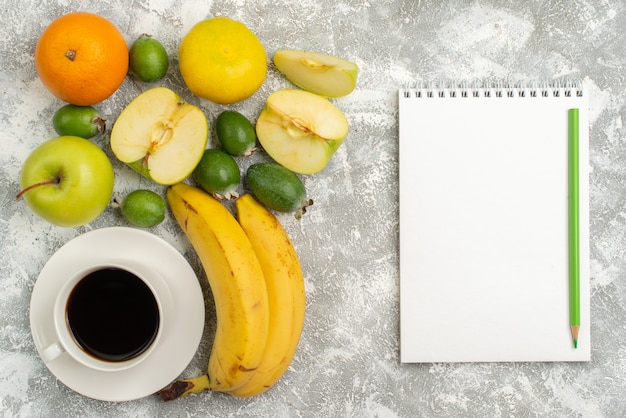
(318, 73)
(301, 130)
(160, 135)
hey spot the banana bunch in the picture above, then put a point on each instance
(285, 290)
(258, 288)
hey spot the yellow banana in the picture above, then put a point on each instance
(236, 280)
(285, 287)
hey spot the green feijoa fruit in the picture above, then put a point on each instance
(82, 121)
(143, 208)
(148, 59)
(235, 133)
(218, 174)
(278, 188)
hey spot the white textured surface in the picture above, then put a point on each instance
(347, 363)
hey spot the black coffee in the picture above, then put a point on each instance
(113, 314)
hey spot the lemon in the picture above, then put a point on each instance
(221, 60)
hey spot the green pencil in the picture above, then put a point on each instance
(573, 226)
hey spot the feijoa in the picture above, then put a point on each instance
(148, 59)
(143, 208)
(278, 188)
(235, 133)
(218, 174)
(82, 121)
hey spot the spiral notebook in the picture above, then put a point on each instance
(484, 223)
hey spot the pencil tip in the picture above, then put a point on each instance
(575, 329)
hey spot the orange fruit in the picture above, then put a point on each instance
(221, 60)
(82, 58)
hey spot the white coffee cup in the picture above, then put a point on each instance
(111, 276)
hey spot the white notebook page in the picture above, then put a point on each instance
(483, 228)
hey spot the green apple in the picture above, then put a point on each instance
(301, 130)
(318, 73)
(160, 136)
(68, 181)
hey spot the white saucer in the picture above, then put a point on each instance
(180, 340)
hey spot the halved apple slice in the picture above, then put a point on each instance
(318, 73)
(301, 130)
(160, 136)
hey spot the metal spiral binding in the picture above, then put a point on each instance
(493, 89)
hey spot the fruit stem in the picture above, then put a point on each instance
(100, 123)
(184, 387)
(175, 390)
(70, 54)
(55, 180)
(302, 210)
(144, 160)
